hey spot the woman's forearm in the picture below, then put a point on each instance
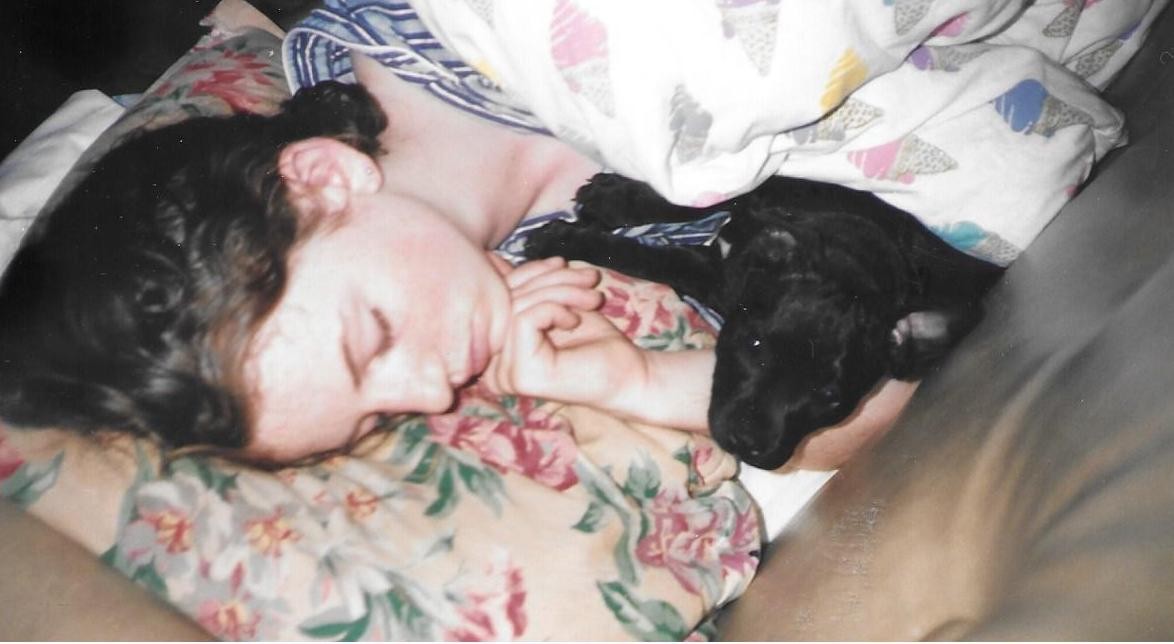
(672, 391)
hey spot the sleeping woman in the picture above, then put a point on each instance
(281, 286)
(270, 285)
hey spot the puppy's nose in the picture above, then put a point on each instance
(748, 444)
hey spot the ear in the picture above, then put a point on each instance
(922, 339)
(323, 174)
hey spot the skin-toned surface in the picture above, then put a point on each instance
(56, 590)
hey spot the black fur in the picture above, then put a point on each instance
(823, 290)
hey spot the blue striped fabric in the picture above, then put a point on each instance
(318, 49)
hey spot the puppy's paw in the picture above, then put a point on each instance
(556, 239)
(613, 201)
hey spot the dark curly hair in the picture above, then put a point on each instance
(131, 304)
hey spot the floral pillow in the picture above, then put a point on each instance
(226, 72)
(509, 518)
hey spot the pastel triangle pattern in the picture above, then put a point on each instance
(848, 73)
(907, 13)
(945, 59)
(1029, 108)
(973, 239)
(689, 123)
(578, 46)
(902, 160)
(852, 114)
(755, 24)
(1089, 63)
(1064, 24)
(483, 9)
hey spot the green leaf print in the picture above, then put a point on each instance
(415, 622)
(643, 481)
(147, 576)
(668, 340)
(394, 614)
(648, 620)
(425, 469)
(413, 434)
(446, 495)
(342, 631)
(214, 478)
(605, 495)
(593, 519)
(31, 480)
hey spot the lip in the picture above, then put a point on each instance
(478, 355)
(477, 358)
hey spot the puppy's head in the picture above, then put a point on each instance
(793, 365)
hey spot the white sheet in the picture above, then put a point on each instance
(32, 171)
(781, 495)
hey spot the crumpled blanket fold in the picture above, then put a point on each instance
(981, 117)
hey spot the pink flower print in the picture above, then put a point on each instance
(540, 448)
(360, 504)
(637, 307)
(10, 458)
(492, 606)
(701, 456)
(230, 86)
(227, 614)
(578, 46)
(230, 620)
(269, 534)
(699, 543)
(173, 529)
(680, 540)
(741, 557)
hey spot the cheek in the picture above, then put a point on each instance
(296, 410)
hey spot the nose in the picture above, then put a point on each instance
(406, 381)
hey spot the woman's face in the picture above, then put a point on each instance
(389, 311)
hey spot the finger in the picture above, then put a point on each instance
(527, 348)
(585, 277)
(542, 317)
(529, 270)
(573, 297)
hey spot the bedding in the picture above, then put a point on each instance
(509, 518)
(30, 173)
(981, 118)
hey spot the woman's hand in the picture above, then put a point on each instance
(561, 348)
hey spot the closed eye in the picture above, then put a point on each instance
(364, 341)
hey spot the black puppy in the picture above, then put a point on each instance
(823, 290)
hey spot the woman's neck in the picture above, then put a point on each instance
(485, 177)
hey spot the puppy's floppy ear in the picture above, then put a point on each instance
(322, 174)
(922, 339)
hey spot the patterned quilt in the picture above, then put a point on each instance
(981, 117)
